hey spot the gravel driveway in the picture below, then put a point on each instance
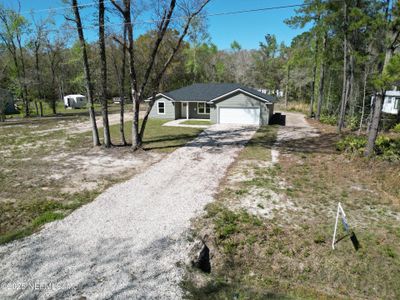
(128, 242)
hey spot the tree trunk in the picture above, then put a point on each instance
(136, 139)
(121, 85)
(53, 106)
(328, 97)
(38, 79)
(88, 82)
(146, 116)
(287, 86)
(36, 108)
(377, 110)
(343, 102)
(53, 85)
(321, 79)
(363, 100)
(311, 112)
(122, 92)
(25, 88)
(121, 118)
(376, 117)
(351, 92)
(126, 13)
(103, 79)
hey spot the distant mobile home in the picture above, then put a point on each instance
(391, 103)
(75, 101)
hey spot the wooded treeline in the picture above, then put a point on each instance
(348, 53)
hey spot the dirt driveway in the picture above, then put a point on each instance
(128, 243)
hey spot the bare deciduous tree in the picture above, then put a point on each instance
(103, 77)
(191, 10)
(88, 81)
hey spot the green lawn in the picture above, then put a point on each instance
(31, 193)
(197, 122)
(157, 137)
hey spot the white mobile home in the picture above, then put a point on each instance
(391, 103)
(75, 101)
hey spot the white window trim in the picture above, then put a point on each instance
(205, 108)
(158, 107)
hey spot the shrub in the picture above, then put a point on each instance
(397, 128)
(387, 148)
(48, 216)
(352, 144)
(352, 123)
(328, 119)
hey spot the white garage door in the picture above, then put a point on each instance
(239, 115)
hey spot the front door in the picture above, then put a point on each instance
(184, 110)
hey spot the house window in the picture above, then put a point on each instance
(203, 108)
(161, 107)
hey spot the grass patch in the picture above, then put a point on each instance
(295, 106)
(197, 122)
(157, 137)
(48, 216)
(259, 147)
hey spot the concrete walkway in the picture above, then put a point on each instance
(178, 123)
(131, 241)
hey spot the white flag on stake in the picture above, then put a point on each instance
(339, 212)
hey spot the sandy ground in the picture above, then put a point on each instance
(80, 171)
(263, 202)
(112, 119)
(296, 128)
(72, 125)
(129, 242)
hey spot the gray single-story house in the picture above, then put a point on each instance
(218, 102)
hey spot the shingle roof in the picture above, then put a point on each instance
(209, 91)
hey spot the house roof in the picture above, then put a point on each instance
(392, 93)
(209, 92)
(74, 95)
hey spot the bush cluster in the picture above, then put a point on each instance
(387, 148)
(328, 119)
(397, 128)
(351, 122)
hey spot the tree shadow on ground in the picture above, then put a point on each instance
(308, 141)
(206, 138)
(323, 143)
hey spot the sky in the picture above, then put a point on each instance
(248, 29)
